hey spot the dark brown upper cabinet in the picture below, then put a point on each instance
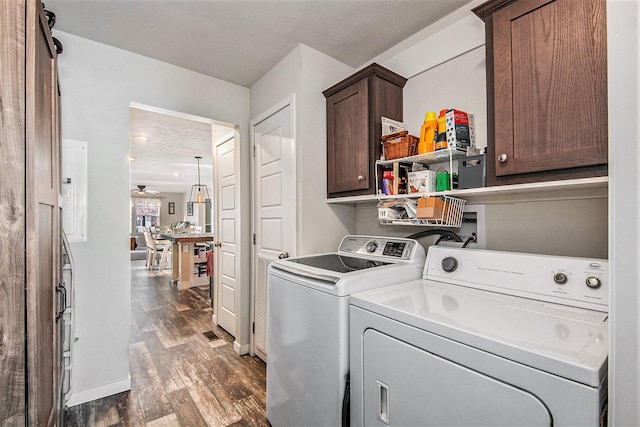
(546, 89)
(355, 108)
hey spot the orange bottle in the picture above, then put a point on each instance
(428, 133)
(441, 142)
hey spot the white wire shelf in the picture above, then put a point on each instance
(427, 158)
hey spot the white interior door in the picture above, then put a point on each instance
(274, 208)
(227, 263)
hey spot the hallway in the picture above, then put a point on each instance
(181, 374)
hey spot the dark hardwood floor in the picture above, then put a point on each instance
(181, 375)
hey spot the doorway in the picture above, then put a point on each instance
(170, 153)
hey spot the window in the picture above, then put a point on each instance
(147, 212)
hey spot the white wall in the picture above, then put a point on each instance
(167, 219)
(624, 201)
(306, 72)
(98, 82)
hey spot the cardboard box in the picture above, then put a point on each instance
(430, 208)
(460, 129)
(422, 181)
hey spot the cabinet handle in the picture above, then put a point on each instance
(217, 244)
(502, 158)
(360, 178)
(283, 255)
(63, 300)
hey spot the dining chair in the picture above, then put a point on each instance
(157, 250)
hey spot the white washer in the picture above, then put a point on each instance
(485, 338)
(308, 329)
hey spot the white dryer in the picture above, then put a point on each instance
(485, 338)
(308, 338)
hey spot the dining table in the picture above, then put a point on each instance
(185, 258)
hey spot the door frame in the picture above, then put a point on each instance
(287, 102)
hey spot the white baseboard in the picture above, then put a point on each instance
(240, 349)
(80, 397)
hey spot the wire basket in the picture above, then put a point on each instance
(449, 215)
(399, 145)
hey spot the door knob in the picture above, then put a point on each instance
(283, 255)
(502, 158)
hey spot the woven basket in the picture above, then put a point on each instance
(399, 145)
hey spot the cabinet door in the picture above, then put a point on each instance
(550, 85)
(348, 139)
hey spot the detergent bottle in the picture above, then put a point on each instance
(441, 141)
(428, 133)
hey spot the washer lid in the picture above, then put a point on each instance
(566, 341)
(337, 263)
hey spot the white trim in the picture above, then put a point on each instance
(84, 396)
(623, 62)
(287, 102)
(241, 349)
(180, 115)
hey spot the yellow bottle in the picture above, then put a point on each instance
(428, 133)
(441, 141)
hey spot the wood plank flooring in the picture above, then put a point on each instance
(179, 375)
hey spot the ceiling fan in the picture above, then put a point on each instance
(142, 189)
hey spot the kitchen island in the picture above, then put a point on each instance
(187, 257)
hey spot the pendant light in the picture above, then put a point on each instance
(199, 192)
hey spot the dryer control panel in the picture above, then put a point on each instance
(577, 282)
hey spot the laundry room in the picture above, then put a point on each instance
(443, 222)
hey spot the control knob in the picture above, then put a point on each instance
(449, 264)
(593, 282)
(372, 246)
(560, 278)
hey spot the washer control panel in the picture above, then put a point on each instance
(385, 247)
(578, 282)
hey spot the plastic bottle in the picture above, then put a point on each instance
(441, 142)
(428, 133)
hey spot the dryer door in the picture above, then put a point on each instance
(405, 385)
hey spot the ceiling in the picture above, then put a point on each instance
(163, 148)
(237, 41)
(240, 40)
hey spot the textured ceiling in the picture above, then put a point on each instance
(164, 147)
(240, 40)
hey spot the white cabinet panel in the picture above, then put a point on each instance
(74, 189)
